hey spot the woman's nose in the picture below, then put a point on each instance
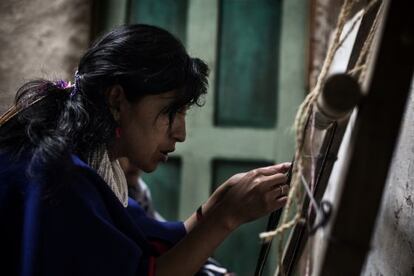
(178, 131)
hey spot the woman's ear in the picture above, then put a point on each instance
(115, 97)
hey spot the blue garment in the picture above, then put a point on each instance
(69, 222)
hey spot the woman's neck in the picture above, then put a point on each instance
(114, 152)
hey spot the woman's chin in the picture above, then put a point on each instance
(148, 168)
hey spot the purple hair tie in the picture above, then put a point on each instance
(61, 84)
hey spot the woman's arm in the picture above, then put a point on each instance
(242, 198)
(190, 253)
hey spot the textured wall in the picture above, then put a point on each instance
(40, 38)
(392, 250)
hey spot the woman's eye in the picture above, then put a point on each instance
(166, 110)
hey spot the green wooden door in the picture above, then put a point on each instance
(256, 52)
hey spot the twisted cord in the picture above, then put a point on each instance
(296, 194)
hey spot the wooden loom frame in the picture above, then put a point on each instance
(365, 177)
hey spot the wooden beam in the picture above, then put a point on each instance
(299, 237)
(372, 143)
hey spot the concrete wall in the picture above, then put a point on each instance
(40, 38)
(392, 250)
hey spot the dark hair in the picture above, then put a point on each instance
(142, 59)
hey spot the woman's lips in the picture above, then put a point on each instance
(164, 157)
(164, 154)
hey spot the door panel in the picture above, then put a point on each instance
(164, 185)
(248, 62)
(167, 14)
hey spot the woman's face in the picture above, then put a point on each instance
(147, 137)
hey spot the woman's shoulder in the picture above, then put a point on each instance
(68, 177)
(77, 161)
(21, 167)
(72, 192)
(10, 163)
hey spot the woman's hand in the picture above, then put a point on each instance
(242, 198)
(250, 195)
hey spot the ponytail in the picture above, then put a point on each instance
(44, 122)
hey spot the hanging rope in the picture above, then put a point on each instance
(360, 65)
(295, 195)
(303, 114)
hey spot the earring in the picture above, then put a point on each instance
(118, 132)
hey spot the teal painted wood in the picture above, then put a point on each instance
(240, 250)
(108, 14)
(225, 168)
(248, 62)
(164, 184)
(167, 14)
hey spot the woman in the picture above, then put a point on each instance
(63, 195)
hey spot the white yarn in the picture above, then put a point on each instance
(111, 172)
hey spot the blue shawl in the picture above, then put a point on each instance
(69, 222)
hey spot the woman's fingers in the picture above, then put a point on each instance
(280, 202)
(280, 191)
(271, 182)
(273, 190)
(274, 203)
(278, 168)
(251, 195)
